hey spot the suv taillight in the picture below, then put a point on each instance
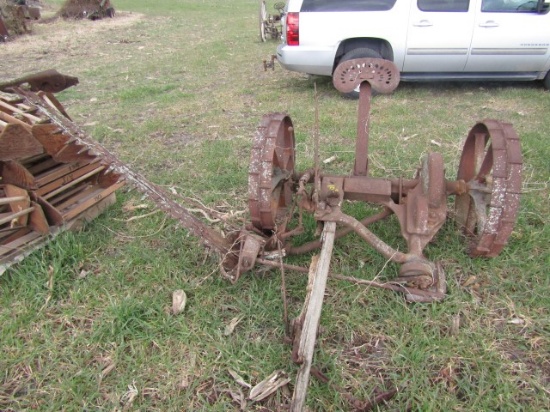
(293, 29)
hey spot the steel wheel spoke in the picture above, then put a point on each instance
(485, 165)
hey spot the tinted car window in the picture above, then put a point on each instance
(444, 5)
(347, 5)
(509, 6)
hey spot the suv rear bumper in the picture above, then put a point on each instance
(306, 60)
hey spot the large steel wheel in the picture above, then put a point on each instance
(263, 20)
(490, 164)
(271, 170)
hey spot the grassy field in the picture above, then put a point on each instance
(176, 89)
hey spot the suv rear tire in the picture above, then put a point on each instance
(546, 81)
(359, 53)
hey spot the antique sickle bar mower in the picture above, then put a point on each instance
(486, 189)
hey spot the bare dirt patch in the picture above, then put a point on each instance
(52, 42)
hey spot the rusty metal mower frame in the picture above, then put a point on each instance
(486, 189)
(487, 186)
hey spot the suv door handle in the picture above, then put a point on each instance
(423, 23)
(489, 23)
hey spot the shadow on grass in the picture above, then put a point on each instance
(324, 86)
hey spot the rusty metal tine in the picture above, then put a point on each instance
(15, 215)
(84, 149)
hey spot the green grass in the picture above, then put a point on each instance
(178, 94)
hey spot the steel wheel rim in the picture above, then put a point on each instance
(491, 165)
(270, 185)
(263, 19)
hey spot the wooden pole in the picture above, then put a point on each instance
(314, 304)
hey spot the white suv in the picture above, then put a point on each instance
(426, 39)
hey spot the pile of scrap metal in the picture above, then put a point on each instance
(48, 181)
(15, 15)
(87, 9)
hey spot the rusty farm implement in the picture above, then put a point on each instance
(486, 190)
(270, 24)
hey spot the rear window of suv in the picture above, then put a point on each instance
(347, 5)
